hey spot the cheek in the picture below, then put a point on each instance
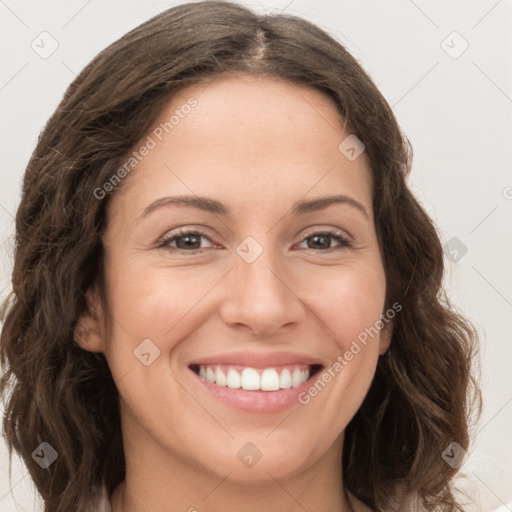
(159, 304)
(152, 310)
(169, 305)
(164, 304)
(349, 300)
(349, 304)
(151, 299)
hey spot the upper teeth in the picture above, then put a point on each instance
(251, 379)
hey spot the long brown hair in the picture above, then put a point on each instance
(423, 392)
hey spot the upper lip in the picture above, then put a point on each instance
(257, 359)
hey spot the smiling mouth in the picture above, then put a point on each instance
(256, 379)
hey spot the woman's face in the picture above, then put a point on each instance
(251, 279)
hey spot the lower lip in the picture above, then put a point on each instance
(262, 402)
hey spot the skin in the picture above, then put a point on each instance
(257, 145)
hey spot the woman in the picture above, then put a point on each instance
(225, 297)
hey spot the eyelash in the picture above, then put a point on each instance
(345, 243)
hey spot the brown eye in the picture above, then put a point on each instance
(191, 241)
(319, 242)
(184, 241)
(323, 241)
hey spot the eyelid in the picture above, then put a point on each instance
(326, 230)
(345, 240)
(177, 232)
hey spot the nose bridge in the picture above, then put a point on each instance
(259, 294)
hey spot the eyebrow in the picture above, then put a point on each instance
(213, 206)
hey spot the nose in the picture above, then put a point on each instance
(260, 297)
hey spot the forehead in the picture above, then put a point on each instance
(239, 138)
(259, 116)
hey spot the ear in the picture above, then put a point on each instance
(385, 337)
(89, 332)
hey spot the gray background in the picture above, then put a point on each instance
(456, 110)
